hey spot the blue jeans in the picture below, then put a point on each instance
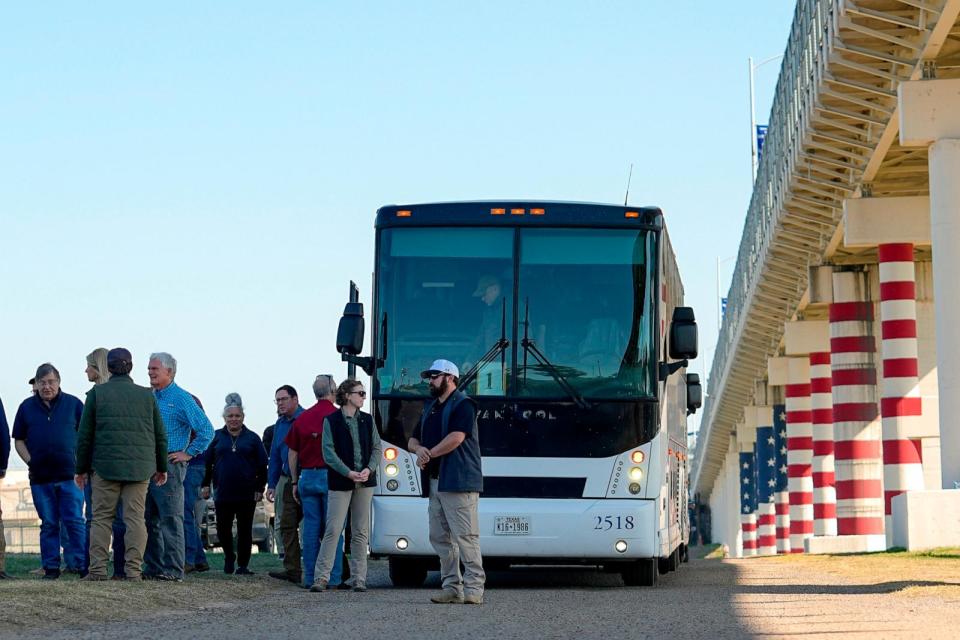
(119, 530)
(164, 516)
(193, 547)
(60, 503)
(313, 497)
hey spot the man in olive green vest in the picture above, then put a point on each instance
(123, 442)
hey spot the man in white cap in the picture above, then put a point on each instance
(448, 452)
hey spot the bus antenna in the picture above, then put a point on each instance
(629, 176)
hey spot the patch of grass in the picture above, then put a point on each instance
(707, 551)
(30, 602)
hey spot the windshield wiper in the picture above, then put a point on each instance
(530, 347)
(498, 348)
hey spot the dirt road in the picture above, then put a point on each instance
(869, 596)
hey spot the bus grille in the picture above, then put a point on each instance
(523, 487)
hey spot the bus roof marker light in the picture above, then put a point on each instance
(497, 211)
(637, 456)
(403, 214)
(517, 212)
(631, 214)
(537, 212)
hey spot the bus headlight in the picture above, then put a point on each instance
(393, 485)
(390, 453)
(634, 487)
(620, 546)
(402, 544)
(637, 457)
(391, 469)
(636, 474)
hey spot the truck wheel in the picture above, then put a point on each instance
(266, 545)
(407, 572)
(640, 573)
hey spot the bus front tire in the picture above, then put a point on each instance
(640, 573)
(407, 572)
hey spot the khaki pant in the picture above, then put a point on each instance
(357, 502)
(133, 496)
(455, 536)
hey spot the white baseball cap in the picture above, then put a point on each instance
(441, 366)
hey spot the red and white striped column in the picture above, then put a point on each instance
(857, 432)
(821, 413)
(900, 402)
(799, 453)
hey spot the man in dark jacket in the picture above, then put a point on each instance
(45, 431)
(448, 451)
(123, 441)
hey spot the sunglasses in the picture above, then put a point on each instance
(434, 376)
(362, 394)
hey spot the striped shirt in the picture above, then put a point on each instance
(182, 416)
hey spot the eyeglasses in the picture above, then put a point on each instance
(362, 394)
(283, 399)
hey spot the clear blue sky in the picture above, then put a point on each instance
(201, 178)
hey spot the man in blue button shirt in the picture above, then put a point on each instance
(45, 433)
(189, 432)
(279, 487)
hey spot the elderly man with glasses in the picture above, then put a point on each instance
(279, 487)
(447, 447)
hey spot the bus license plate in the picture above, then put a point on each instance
(511, 525)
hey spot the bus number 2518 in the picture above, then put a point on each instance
(609, 523)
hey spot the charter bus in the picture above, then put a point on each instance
(566, 322)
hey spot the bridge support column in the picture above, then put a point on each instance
(777, 376)
(930, 117)
(821, 411)
(799, 452)
(811, 339)
(766, 464)
(857, 431)
(746, 439)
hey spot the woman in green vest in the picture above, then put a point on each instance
(351, 450)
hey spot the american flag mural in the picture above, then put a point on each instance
(782, 497)
(748, 502)
(766, 450)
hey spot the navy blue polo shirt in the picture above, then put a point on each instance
(462, 419)
(51, 436)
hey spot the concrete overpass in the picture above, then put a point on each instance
(835, 384)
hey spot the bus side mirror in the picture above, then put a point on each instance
(683, 334)
(350, 331)
(694, 393)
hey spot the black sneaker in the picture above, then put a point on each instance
(51, 574)
(243, 571)
(163, 577)
(200, 568)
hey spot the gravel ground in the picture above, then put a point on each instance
(763, 597)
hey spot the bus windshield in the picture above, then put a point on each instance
(576, 306)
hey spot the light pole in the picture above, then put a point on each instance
(754, 152)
